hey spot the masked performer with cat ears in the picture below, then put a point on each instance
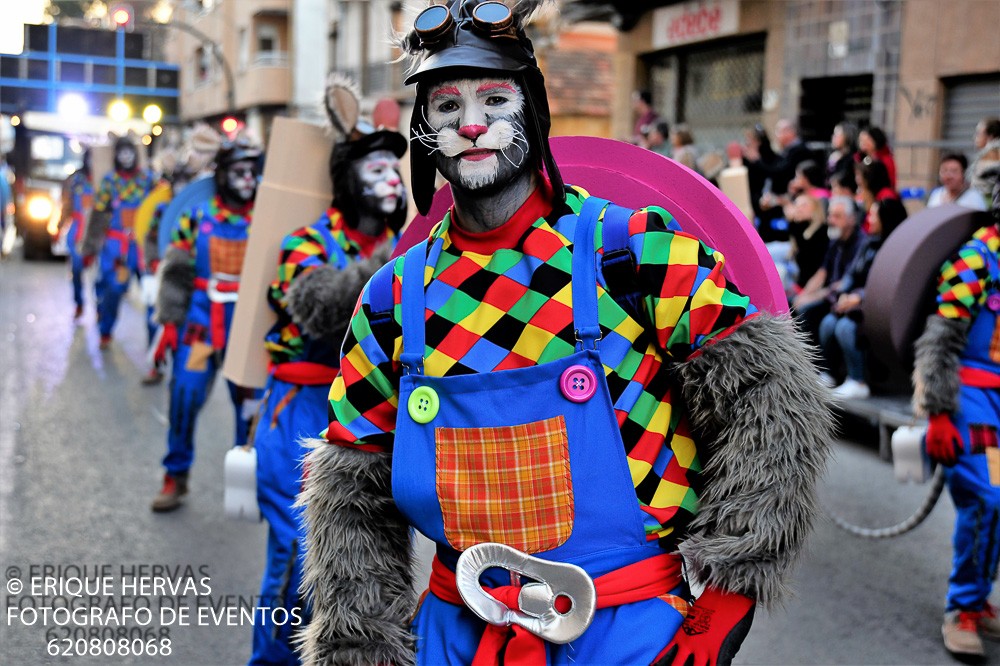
(321, 271)
(573, 452)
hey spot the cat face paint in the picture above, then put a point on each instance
(476, 131)
(380, 188)
(125, 158)
(241, 180)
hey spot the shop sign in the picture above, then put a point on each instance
(694, 22)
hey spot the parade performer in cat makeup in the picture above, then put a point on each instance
(109, 233)
(321, 271)
(578, 436)
(200, 275)
(956, 380)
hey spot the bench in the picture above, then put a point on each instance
(885, 412)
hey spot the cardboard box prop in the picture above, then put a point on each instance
(294, 192)
(734, 182)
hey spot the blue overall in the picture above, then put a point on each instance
(605, 522)
(82, 193)
(118, 261)
(199, 356)
(285, 419)
(977, 499)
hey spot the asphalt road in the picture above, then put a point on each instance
(80, 444)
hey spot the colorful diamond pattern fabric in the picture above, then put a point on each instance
(964, 277)
(513, 309)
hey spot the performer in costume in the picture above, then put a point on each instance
(109, 234)
(78, 199)
(199, 280)
(497, 392)
(322, 269)
(956, 380)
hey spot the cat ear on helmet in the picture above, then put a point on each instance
(343, 106)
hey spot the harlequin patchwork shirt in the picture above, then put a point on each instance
(302, 251)
(186, 233)
(963, 281)
(129, 190)
(502, 300)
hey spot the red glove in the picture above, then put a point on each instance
(88, 261)
(168, 340)
(713, 631)
(943, 442)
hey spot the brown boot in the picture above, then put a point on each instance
(169, 498)
(989, 623)
(961, 637)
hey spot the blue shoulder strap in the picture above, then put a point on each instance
(380, 294)
(617, 264)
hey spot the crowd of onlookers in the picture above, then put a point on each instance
(824, 218)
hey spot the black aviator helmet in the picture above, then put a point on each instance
(465, 38)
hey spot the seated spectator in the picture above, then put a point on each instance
(873, 146)
(811, 305)
(656, 138)
(807, 227)
(845, 149)
(840, 328)
(684, 150)
(809, 179)
(987, 142)
(873, 185)
(953, 187)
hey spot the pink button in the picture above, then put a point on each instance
(993, 302)
(578, 383)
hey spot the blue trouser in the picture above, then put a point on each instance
(116, 272)
(977, 502)
(277, 437)
(189, 389)
(76, 270)
(839, 332)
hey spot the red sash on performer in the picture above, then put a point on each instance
(978, 378)
(648, 579)
(304, 373)
(217, 311)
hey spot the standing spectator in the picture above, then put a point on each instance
(954, 188)
(955, 381)
(756, 141)
(684, 150)
(840, 328)
(987, 142)
(874, 146)
(845, 148)
(873, 185)
(812, 303)
(642, 104)
(656, 138)
(809, 179)
(780, 172)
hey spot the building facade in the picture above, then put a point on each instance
(924, 71)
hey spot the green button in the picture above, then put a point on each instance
(423, 404)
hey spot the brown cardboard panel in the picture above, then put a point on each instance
(102, 161)
(735, 184)
(295, 191)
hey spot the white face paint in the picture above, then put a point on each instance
(476, 131)
(241, 179)
(125, 158)
(377, 175)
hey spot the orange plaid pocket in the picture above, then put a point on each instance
(225, 255)
(127, 217)
(508, 484)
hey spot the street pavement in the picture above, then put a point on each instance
(80, 445)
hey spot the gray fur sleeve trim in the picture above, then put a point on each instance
(755, 400)
(357, 561)
(94, 232)
(322, 301)
(935, 369)
(177, 275)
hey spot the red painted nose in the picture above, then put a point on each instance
(473, 132)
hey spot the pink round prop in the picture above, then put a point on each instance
(634, 177)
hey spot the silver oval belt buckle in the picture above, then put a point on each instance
(537, 600)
